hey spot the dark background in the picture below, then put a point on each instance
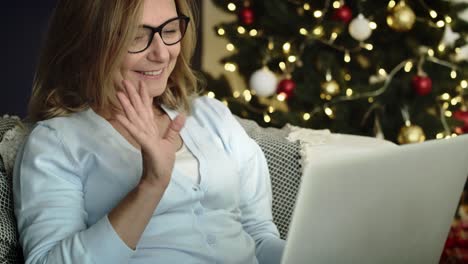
(24, 26)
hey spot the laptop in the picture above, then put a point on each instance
(389, 205)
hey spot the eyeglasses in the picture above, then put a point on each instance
(171, 32)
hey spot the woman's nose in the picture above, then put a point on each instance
(158, 50)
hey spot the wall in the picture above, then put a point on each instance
(23, 24)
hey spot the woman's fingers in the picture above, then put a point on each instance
(145, 98)
(144, 112)
(133, 95)
(174, 128)
(129, 110)
(134, 131)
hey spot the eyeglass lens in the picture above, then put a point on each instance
(171, 33)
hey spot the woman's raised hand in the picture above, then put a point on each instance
(157, 147)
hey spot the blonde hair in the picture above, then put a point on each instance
(84, 47)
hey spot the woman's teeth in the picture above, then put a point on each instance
(152, 73)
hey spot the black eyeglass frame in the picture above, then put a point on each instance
(158, 30)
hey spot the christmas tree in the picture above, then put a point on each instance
(391, 69)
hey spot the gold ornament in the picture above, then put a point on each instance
(411, 134)
(401, 17)
(330, 88)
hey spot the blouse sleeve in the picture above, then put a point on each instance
(255, 196)
(49, 207)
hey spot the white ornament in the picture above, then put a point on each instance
(263, 82)
(450, 37)
(463, 15)
(359, 28)
(462, 54)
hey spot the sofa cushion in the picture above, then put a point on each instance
(284, 163)
(12, 132)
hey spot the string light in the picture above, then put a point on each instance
(225, 102)
(382, 72)
(230, 67)
(271, 109)
(267, 118)
(347, 77)
(391, 4)
(453, 74)
(236, 94)
(347, 57)
(221, 31)
(455, 100)
(349, 92)
(318, 13)
(286, 47)
(230, 47)
(292, 58)
(318, 31)
(368, 46)
(281, 97)
(303, 31)
(231, 7)
(440, 135)
(247, 95)
(333, 36)
(464, 84)
(445, 96)
(448, 113)
(306, 6)
(336, 4)
(282, 65)
(408, 66)
(441, 47)
(370, 100)
(271, 45)
(241, 30)
(430, 52)
(306, 116)
(325, 97)
(373, 25)
(329, 112)
(211, 94)
(448, 19)
(433, 13)
(440, 23)
(253, 32)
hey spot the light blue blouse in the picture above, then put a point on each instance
(71, 171)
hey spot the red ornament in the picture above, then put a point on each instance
(246, 15)
(461, 115)
(286, 87)
(344, 14)
(422, 85)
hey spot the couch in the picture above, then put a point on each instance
(289, 151)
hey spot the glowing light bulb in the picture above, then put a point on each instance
(286, 47)
(231, 7)
(221, 31)
(453, 74)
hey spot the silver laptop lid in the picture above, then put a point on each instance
(392, 205)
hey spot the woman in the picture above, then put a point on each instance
(125, 164)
